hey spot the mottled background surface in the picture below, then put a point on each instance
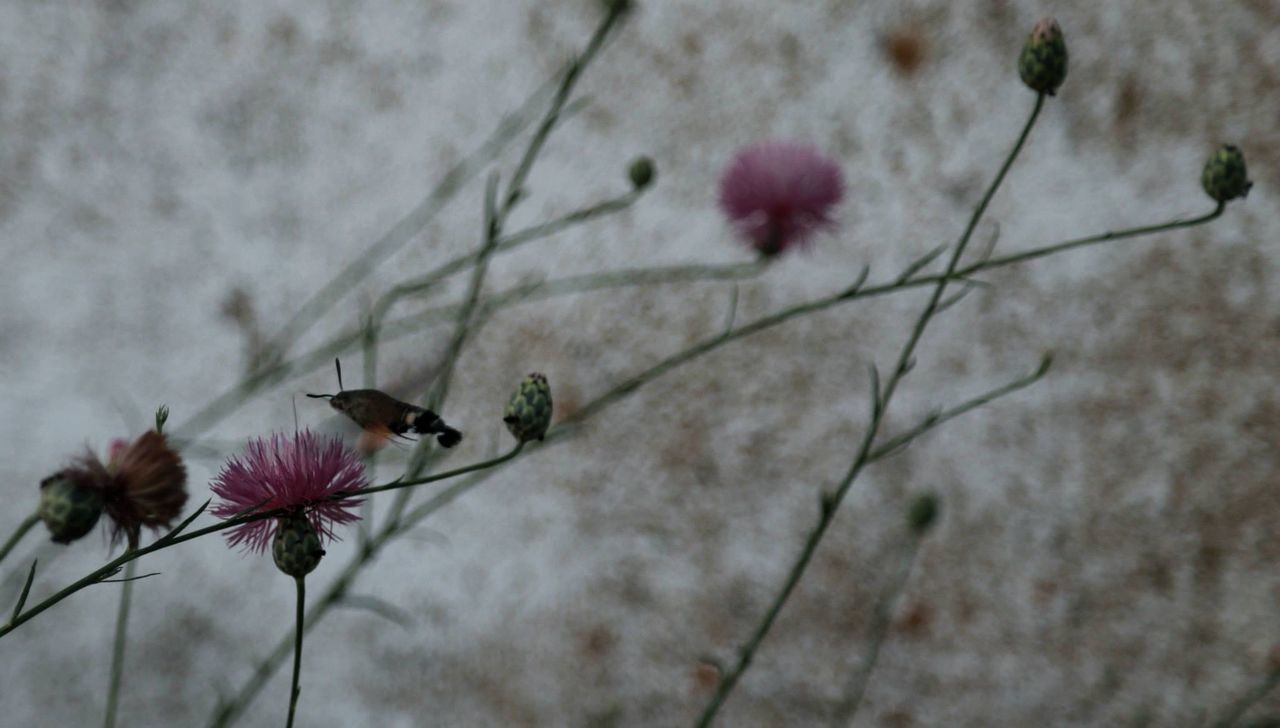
(175, 178)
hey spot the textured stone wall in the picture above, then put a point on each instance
(176, 178)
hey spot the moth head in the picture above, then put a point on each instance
(340, 401)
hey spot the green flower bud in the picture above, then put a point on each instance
(1225, 177)
(1043, 62)
(641, 172)
(296, 546)
(529, 412)
(922, 513)
(69, 509)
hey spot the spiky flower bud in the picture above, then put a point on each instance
(1225, 177)
(922, 513)
(1043, 62)
(296, 546)
(69, 509)
(641, 172)
(529, 412)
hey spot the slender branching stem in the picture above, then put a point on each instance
(847, 710)
(26, 525)
(881, 398)
(400, 235)
(118, 647)
(26, 590)
(178, 536)
(623, 389)
(298, 632)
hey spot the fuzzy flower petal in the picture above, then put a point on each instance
(778, 195)
(143, 483)
(303, 471)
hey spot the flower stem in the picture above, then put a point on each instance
(117, 649)
(847, 711)
(18, 533)
(882, 398)
(294, 690)
(175, 537)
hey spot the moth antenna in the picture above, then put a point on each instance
(294, 399)
(338, 365)
(320, 396)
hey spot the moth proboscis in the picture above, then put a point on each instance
(379, 413)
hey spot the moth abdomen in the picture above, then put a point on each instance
(426, 422)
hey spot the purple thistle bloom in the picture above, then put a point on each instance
(778, 194)
(304, 472)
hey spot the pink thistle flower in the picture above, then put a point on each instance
(778, 194)
(302, 472)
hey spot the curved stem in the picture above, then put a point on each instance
(18, 533)
(117, 650)
(847, 711)
(294, 690)
(175, 537)
(882, 398)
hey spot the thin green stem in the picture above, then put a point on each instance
(847, 711)
(26, 525)
(881, 400)
(117, 649)
(176, 536)
(398, 484)
(230, 710)
(515, 189)
(400, 235)
(26, 590)
(298, 631)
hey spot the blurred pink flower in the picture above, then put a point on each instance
(778, 194)
(301, 472)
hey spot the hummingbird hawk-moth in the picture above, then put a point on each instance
(380, 413)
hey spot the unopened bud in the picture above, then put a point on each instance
(1225, 177)
(922, 513)
(529, 411)
(1043, 62)
(69, 509)
(296, 546)
(641, 172)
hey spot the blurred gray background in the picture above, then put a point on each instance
(177, 177)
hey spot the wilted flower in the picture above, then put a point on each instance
(778, 194)
(143, 483)
(303, 472)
